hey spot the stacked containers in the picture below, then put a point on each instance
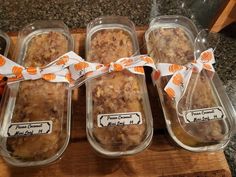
(170, 39)
(119, 120)
(35, 121)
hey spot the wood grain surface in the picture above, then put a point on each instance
(162, 158)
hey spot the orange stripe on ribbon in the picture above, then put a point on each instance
(139, 69)
(17, 71)
(147, 59)
(81, 66)
(2, 61)
(206, 56)
(63, 60)
(117, 67)
(49, 77)
(170, 92)
(31, 70)
(174, 67)
(178, 79)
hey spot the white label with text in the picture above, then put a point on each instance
(29, 128)
(116, 119)
(203, 115)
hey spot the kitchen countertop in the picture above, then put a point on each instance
(14, 14)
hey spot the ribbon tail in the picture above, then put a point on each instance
(187, 77)
(172, 90)
(178, 84)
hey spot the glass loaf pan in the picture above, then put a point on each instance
(37, 102)
(116, 97)
(170, 39)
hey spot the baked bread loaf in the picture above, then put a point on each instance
(40, 100)
(174, 45)
(117, 92)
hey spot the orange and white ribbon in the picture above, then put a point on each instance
(92, 70)
(133, 64)
(55, 71)
(182, 74)
(70, 67)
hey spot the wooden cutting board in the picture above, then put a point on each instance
(162, 158)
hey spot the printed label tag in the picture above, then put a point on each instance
(29, 128)
(203, 115)
(116, 119)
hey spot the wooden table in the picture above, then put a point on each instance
(162, 158)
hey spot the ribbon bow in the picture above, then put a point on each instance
(182, 74)
(92, 70)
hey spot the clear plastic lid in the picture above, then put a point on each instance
(36, 115)
(203, 119)
(119, 119)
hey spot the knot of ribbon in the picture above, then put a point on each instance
(133, 64)
(181, 74)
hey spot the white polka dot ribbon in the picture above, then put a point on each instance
(182, 74)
